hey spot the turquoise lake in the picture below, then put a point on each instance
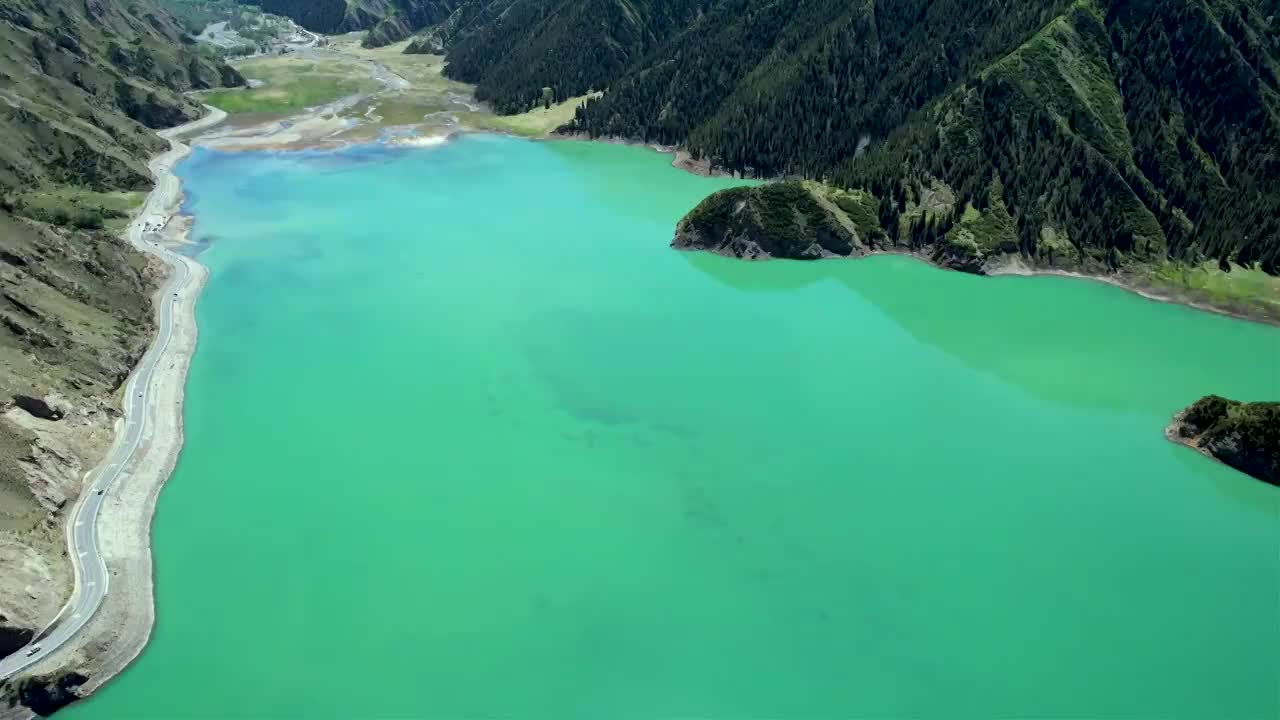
(467, 439)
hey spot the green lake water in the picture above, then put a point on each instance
(467, 439)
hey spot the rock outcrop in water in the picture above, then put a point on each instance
(810, 221)
(1245, 436)
(779, 220)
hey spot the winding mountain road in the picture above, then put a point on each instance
(92, 576)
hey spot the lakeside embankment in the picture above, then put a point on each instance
(108, 532)
(124, 623)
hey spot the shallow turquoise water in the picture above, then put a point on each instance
(466, 439)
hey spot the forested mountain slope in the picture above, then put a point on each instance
(794, 87)
(1135, 134)
(1095, 134)
(1090, 134)
(571, 46)
(406, 18)
(82, 84)
(1132, 134)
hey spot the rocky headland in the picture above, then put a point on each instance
(1243, 435)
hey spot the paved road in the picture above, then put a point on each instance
(92, 577)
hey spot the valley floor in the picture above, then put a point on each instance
(340, 93)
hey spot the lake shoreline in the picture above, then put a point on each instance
(680, 158)
(1016, 268)
(683, 160)
(309, 129)
(120, 627)
(1143, 291)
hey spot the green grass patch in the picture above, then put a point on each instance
(991, 230)
(290, 84)
(77, 207)
(401, 110)
(1055, 245)
(300, 92)
(424, 72)
(861, 207)
(538, 122)
(1240, 286)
